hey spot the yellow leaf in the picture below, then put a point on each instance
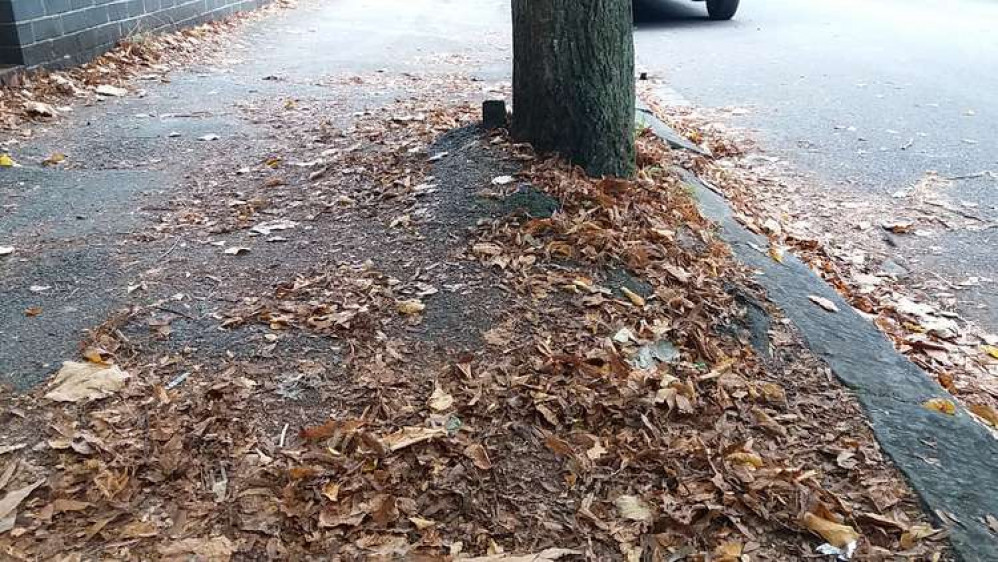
(915, 534)
(421, 523)
(776, 252)
(54, 159)
(6, 161)
(985, 412)
(991, 350)
(410, 307)
(728, 552)
(748, 459)
(941, 405)
(635, 298)
(838, 535)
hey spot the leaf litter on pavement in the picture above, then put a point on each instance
(474, 382)
(840, 241)
(536, 438)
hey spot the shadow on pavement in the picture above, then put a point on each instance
(669, 13)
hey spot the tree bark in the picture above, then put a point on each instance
(573, 81)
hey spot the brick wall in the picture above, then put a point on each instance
(57, 33)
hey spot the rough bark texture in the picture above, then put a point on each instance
(573, 81)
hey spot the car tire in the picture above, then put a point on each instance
(722, 9)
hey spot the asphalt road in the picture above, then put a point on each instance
(838, 86)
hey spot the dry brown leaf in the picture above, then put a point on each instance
(422, 524)
(730, 551)
(332, 491)
(440, 401)
(409, 436)
(633, 508)
(138, 529)
(84, 382)
(985, 412)
(9, 503)
(486, 249)
(478, 455)
(941, 405)
(916, 533)
(838, 535)
(214, 549)
(636, 299)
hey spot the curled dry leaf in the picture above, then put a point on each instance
(636, 299)
(84, 382)
(730, 551)
(478, 455)
(236, 250)
(409, 436)
(838, 535)
(941, 405)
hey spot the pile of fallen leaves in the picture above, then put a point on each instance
(961, 356)
(44, 96)
(613, 410)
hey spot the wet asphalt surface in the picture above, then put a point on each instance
(837, 87)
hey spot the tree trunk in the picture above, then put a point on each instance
(573, 81)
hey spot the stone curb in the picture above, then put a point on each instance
(950, 461)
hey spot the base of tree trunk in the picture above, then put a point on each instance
(573, 81)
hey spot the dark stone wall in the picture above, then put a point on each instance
(56, 33)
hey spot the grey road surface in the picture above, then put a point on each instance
(839, 86)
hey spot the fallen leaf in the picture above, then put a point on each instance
(633, 508)
(941, 405)
(915, 534)
(236, 250)
(486, 249)
(747, 459)
(824, 303)
(6, 250)
(409, 436)
(215, 549)
(332, 491)
(208, 138)
(411, 307)
(54, 159)
(40, 109)
(11, 448)
(838, 535)
(6, 161)
(730, 551)
(138, 529)
(636, 299)
(440, 400)
(985, 412)
(83, 382)
(776, 252)
(32, 311)
(112, 91)
(478, 455)
(502, 180)
(991, 350)
(422, 524)
(9, 503)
